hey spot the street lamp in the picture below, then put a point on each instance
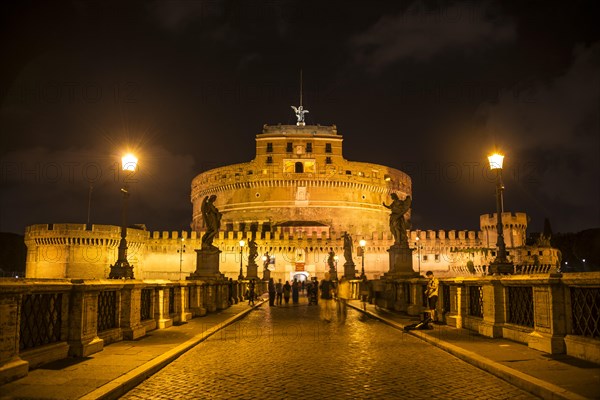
(181, 251)
(242, 244)
(500, 265)
(335, 260)
(121, 269)
(418, 251)
(362, 244)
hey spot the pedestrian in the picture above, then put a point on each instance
(327, 289)
(303, 286)
(271, 289)
(251, 292)
(364, 292)
(315, 292)
(432, 295)
(278, 292)
(343, 294)
(287, 289)
(295, 291)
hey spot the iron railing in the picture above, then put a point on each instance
(146, 304)
(476, 301)
(107, 310)
(171, 300)
(406, 292)
(41, 320)
(445, 299)
(585, 309)
(520, 305)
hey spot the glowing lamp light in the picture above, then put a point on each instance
(242, 243)
(362, 243)
(264, 258)
(129, 162)
(496, 160)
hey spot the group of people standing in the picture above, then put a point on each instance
(318, 293)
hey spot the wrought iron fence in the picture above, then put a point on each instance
(107, 310)
(476, 301)
(585, 308)
(189, 297)
(146, 304)
(520, 305)
(445, 299)
(171, 300)
(406, 292)
(41, 320)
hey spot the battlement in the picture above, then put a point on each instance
(488, 221)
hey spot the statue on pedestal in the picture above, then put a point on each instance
(212, 222)
(252, 251)
(348, 247)
(398, 223)
(332, 264)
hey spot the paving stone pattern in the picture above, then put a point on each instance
(288, 353)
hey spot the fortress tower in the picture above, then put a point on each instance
(300, 180)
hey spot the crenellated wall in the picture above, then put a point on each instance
(71, 250)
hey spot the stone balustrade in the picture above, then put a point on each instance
(47, 320)
(554, 313)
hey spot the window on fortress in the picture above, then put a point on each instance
(309, 147)
(289, 147)
(328, 160)
(437, 258)
(424, 258)
(269, 160)
(327, 147)
(299, 167)
(348, 172)
(269, 147)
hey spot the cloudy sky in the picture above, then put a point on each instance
(428, 87)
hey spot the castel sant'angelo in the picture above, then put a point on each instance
(296, 199)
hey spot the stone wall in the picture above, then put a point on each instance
(71, 251)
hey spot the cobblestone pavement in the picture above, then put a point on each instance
(288, 352)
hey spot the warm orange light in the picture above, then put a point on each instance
(362, 243)
(242, 243)
(496, 160)
(129, 162)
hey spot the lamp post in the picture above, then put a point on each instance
(335, 260)
(500, 265)
(418, 251)
(362, 244)
(242, 244)
(181, 251)
(121, 269)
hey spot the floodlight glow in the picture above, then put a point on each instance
(496, 160)
(129, 162)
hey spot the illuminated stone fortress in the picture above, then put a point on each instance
(295, 198)
(299, 177)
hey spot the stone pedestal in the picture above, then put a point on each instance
(207, 264)
(266, 275)
(349, 270)
(502, 268)
(400, 263)
(252, 271)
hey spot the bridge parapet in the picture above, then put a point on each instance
(528, 308)
(82, 316)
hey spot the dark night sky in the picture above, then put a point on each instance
(429, 88)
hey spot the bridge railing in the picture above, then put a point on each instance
(47, 320)
(553, 313)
